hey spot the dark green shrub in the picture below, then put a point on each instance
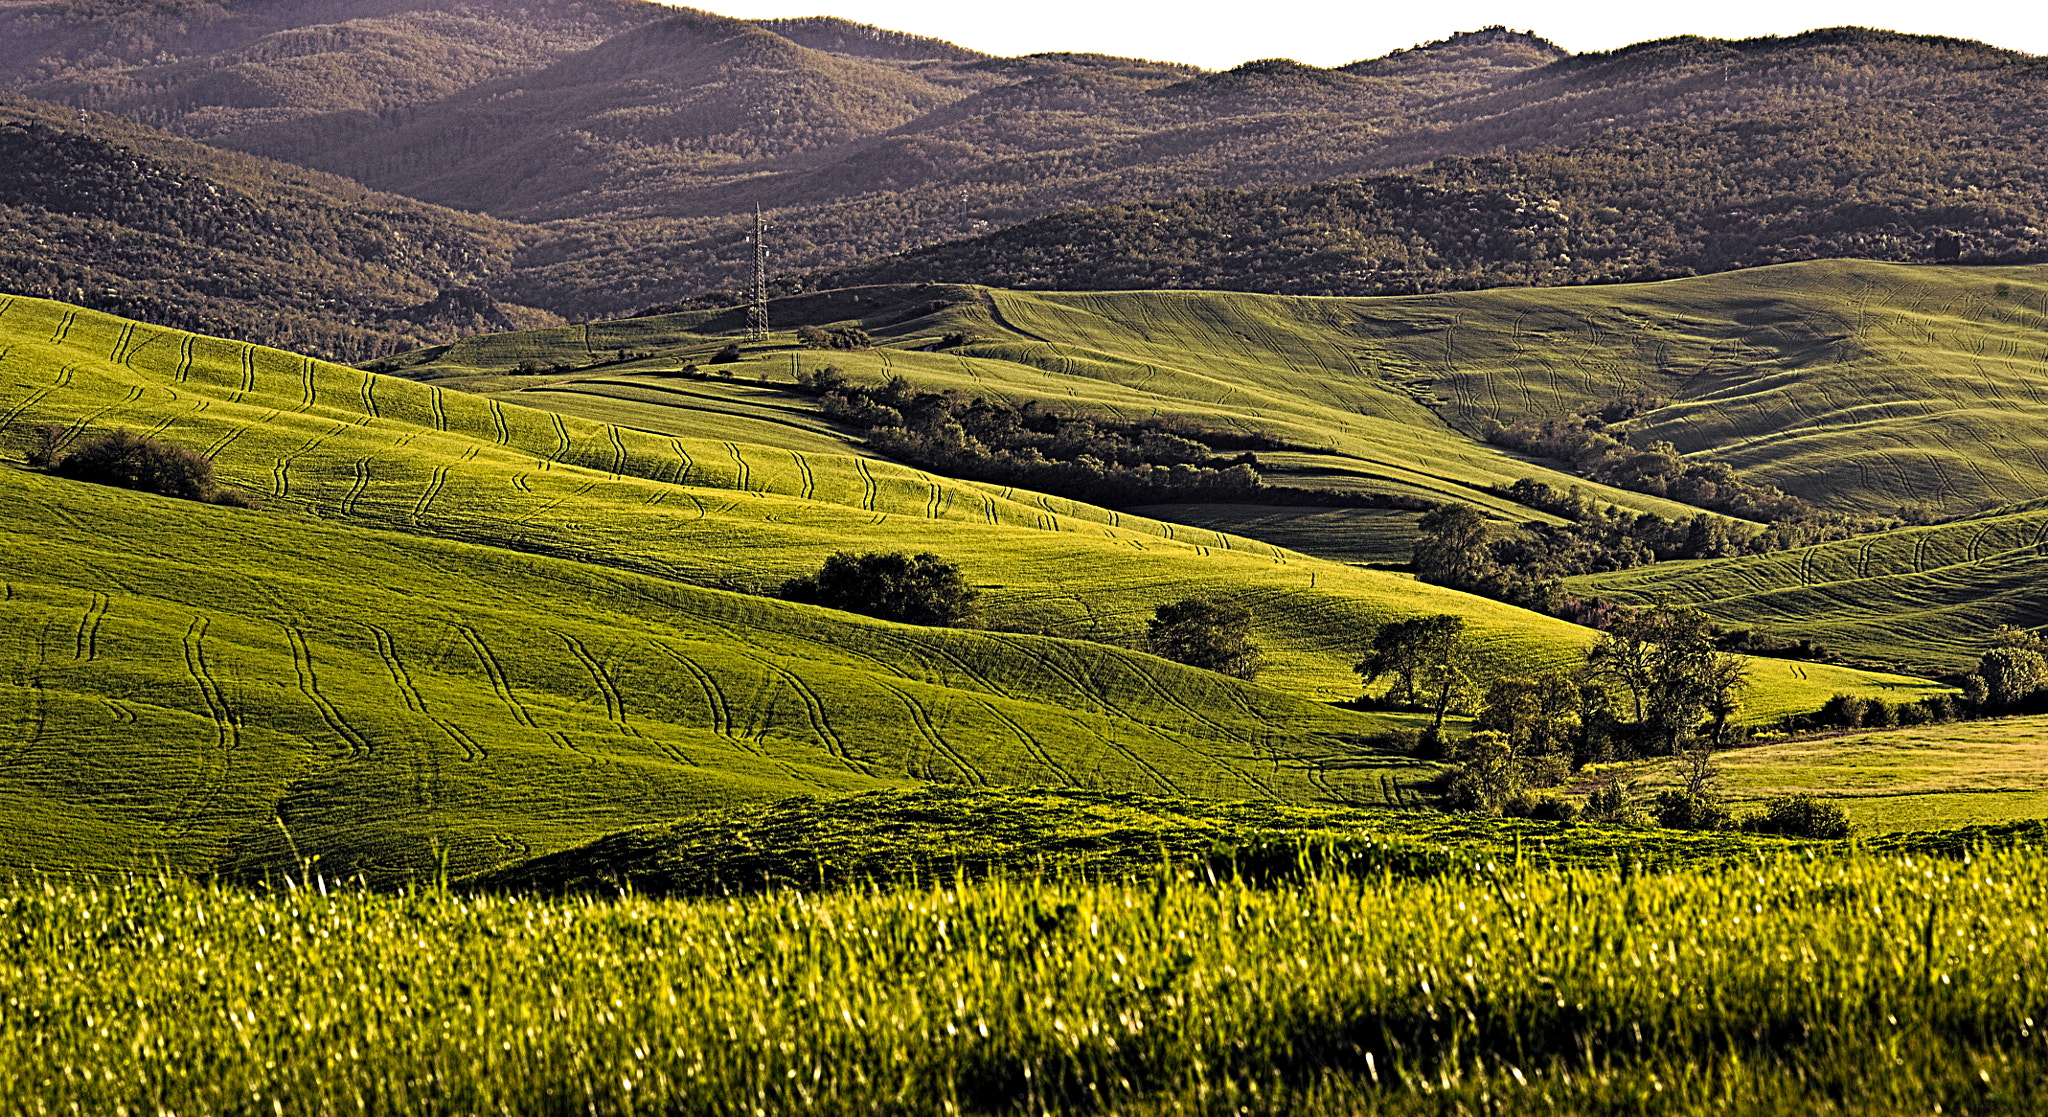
(1614, 804)
(130, 461)
(1678, 810)
(1844, 711)
(920, 589)
(726, 356)
(1799, 816)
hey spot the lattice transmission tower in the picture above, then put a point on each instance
(757, 307)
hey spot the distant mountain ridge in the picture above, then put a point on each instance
(625, 145)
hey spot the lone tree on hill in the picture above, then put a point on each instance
(1431, 662)
(1213, 633)
(914, 589)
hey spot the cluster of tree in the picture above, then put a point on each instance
(1660, 470)
(841, 337)
(1033, 446)
(130, 461)
(1212, 633)
(1525, 565)
(913, 589)
(1653, 684)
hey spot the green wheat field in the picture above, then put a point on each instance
(479, 770)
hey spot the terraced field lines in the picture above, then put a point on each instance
(227, 733)
(309, 685)
(922, 720)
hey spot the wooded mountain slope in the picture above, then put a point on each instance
(643, 137)
(123, 218)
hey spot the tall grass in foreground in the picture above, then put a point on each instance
(1859, 984)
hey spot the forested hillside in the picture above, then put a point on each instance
(634, 142)
(125, 219)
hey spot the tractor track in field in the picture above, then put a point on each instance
(494, 673)
(1031, 743)
(437, 407)
(814, 712)
(921, 718)
(185, 357)
(561, 437)
(408, 693)
(248, 369)
(309, 391)
(18, 744)
(807, 481)
(870, 488)
(501, 426)
(121, 342)
(684, 463)
(309, 684)
(619, 461)
(434, 486)
(227, 733)
(746, 474)
(370, 395)
(88, 636)
(361, 467)
(64, 325)
(714, 698)
(62, 381)
(213, 450)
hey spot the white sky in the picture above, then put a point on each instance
(1331, 34)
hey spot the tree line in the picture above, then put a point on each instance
(1088, 458)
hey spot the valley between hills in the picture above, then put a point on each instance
(1482, 573)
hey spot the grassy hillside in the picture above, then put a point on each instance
(1860, 386)
(293, 664)
(1920, 596)
(901, 839)
(1921, 778)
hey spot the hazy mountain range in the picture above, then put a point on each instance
(592, 159)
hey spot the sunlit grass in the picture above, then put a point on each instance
(1865, 984)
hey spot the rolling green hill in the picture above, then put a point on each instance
(395, 658)
(1924, 596)
(1860, 386)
